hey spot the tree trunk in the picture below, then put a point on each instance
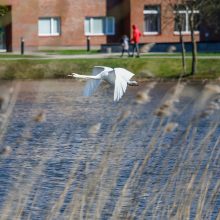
(194, 46)
(183, 51)
(194, 54)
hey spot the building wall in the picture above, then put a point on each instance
(25, 15)
(167, 22)
(72, 15)
(24, 23)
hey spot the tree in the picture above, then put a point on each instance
(190, 8)
(209, 12)
(199, 12)
(3, 10)
(179, 24)
(173, 14)
(193, 23)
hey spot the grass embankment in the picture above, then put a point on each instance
(77, 52)
(143, 67)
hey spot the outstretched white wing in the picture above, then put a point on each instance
(125, 74)
(93, 84)
(122, 76)
(98, 69)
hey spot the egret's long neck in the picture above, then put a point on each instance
(85, 76)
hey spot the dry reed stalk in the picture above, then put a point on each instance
(89, 200)
(133, 179)
(188, 206)
(187, 200)
(122, 117)
(9, 108)
(54, 212)
(22, 187)
(123, 196)
(96, 193)
(153, 143)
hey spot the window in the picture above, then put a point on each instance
(2, 39)
(184, 15)
(99, 26)
(151, 19)
(49, 26)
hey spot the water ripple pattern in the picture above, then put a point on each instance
(153, 155)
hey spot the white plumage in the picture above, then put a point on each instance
(119, 77)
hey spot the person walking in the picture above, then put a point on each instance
(136, 39)
(124, 45)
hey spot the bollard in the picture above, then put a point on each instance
(22, 45)
(88, 43)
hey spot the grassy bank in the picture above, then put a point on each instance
(77, 52)
(143, 68)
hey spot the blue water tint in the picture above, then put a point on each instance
(131, 167)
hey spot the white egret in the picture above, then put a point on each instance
(119, 77)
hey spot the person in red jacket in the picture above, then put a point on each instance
(136, 40)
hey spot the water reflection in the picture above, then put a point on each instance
(74, 157)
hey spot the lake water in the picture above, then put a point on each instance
(152, 155)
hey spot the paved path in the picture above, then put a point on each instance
(100, 55)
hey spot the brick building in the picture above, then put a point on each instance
(67, 23)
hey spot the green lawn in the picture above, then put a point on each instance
(77, 52)
(143, 68)
(179, 54)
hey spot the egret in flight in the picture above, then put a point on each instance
(118, 77)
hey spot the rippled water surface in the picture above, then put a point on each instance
(152, 155)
